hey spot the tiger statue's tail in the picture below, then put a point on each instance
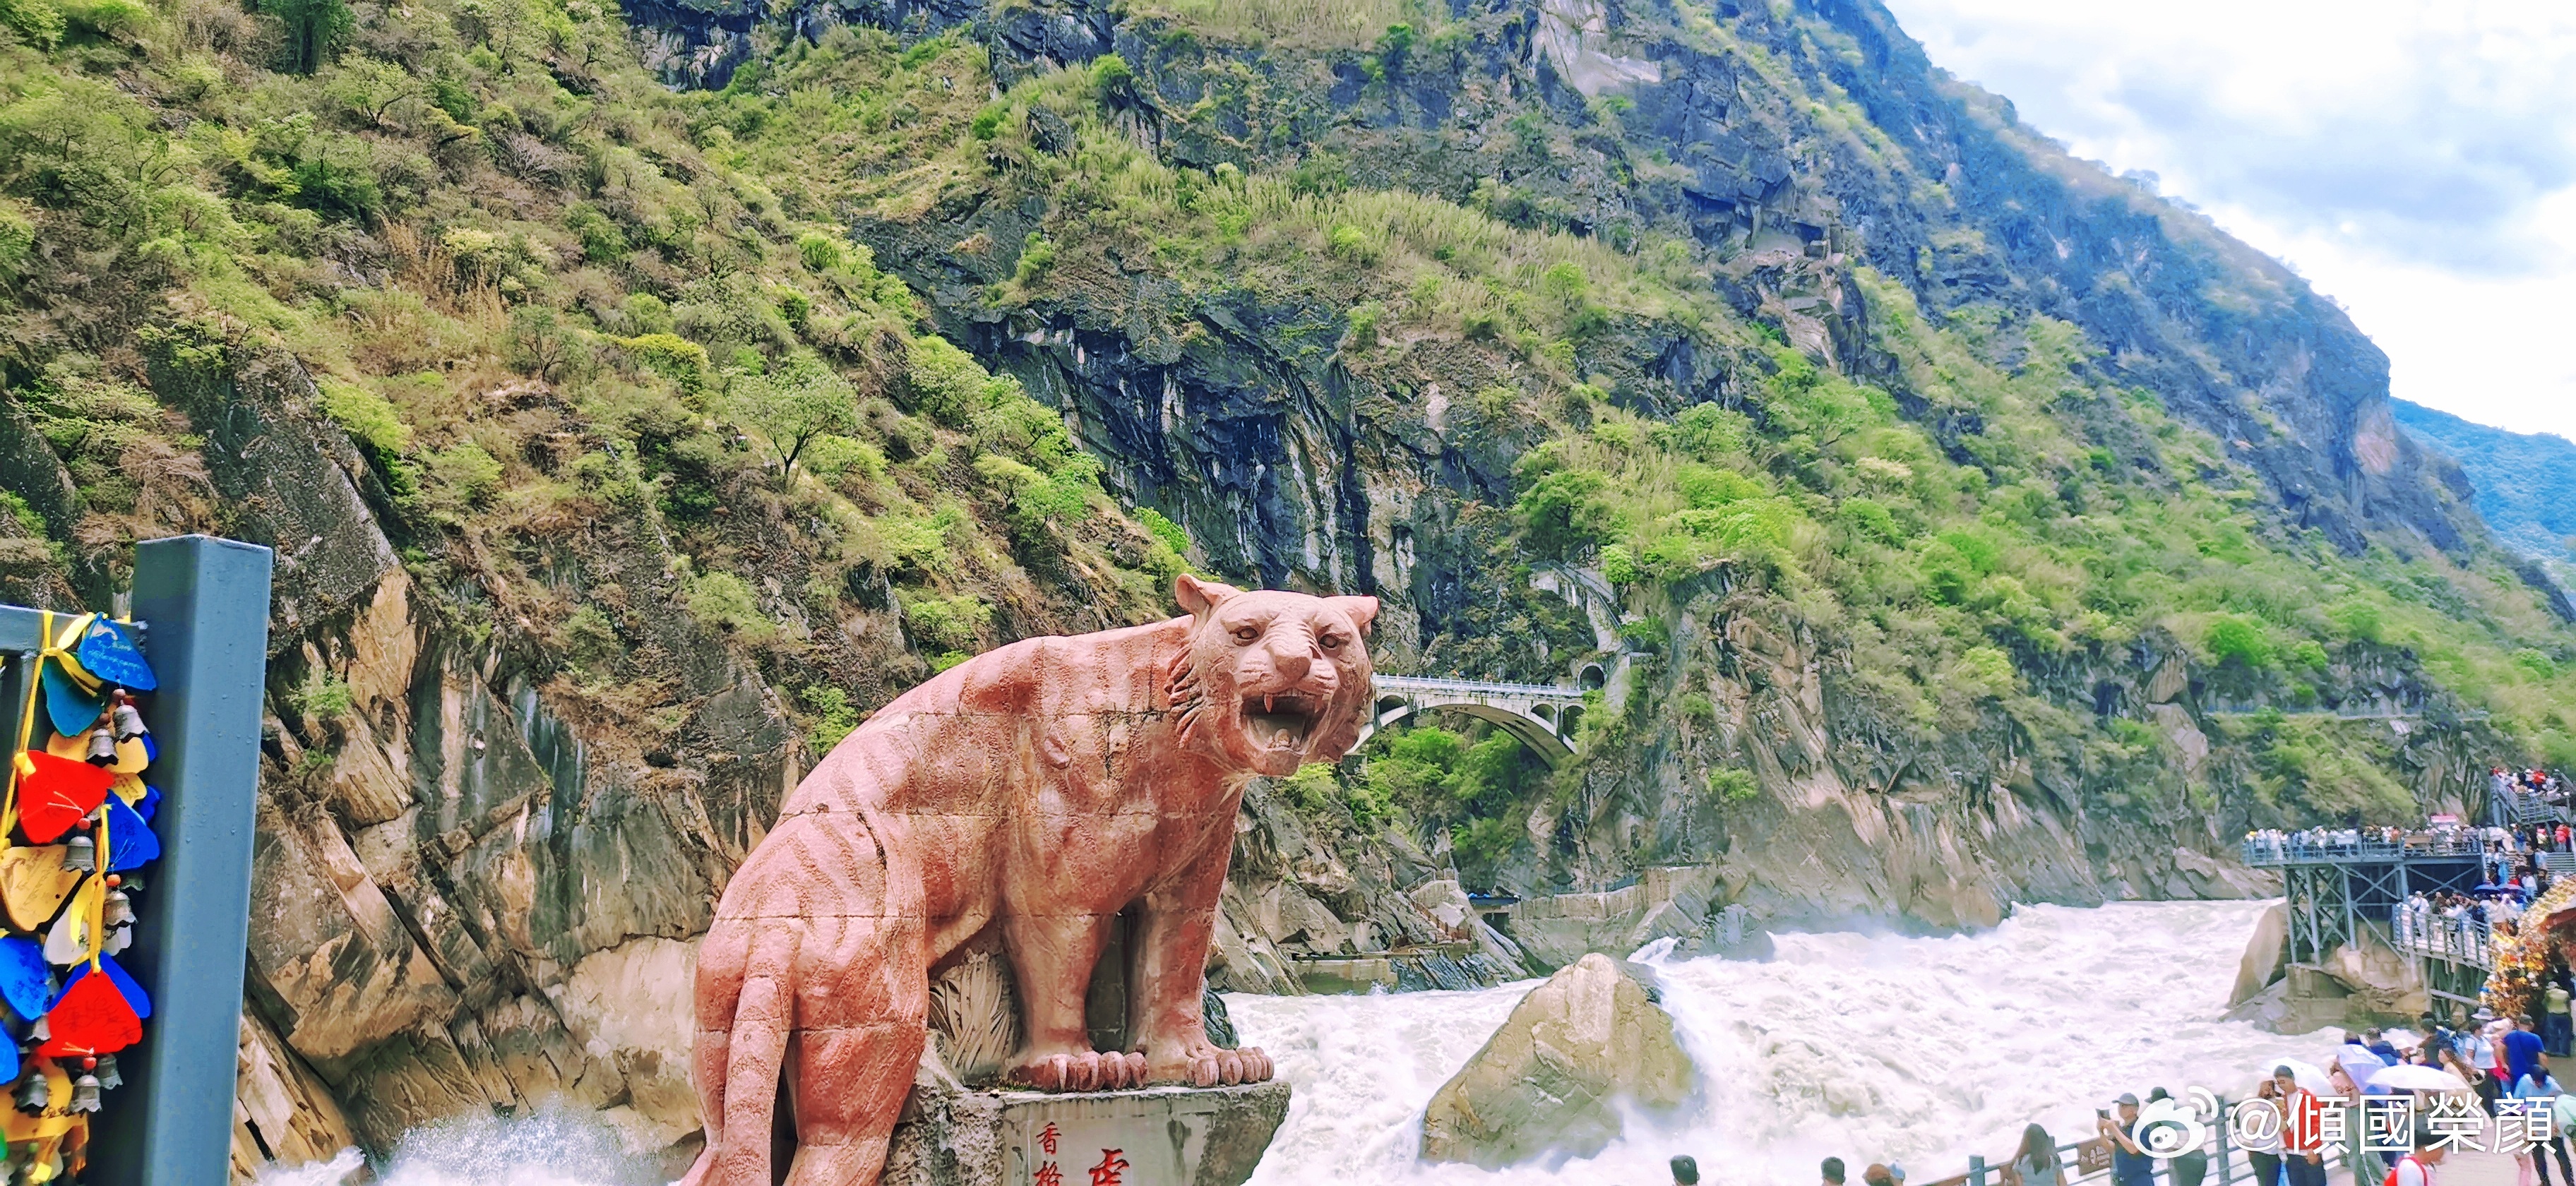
(813, 977)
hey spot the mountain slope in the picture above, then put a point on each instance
(1967, 526)
(2525, 482)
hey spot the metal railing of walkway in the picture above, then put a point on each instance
(2342, 848)
(2089, 1161)
(2459, 940)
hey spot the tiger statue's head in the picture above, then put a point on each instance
(1271, 680)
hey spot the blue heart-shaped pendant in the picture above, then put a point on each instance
(108, 652)
(130, 841)
(23, 978)
(71, 710)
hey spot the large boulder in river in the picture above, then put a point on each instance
(1552, 1079)
(2267, 955)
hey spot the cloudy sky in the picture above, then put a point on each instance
(2414, 159)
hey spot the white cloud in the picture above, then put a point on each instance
(2415, 159)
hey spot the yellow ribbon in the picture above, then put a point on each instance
(98, 901)
(59, 649)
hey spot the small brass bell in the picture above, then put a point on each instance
(108, 1079)
(128, 720)
(102, 747)
(80, 854)
(119, 910)
(34, 1095)
(85, 1093)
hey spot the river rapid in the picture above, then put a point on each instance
(1870, 1047)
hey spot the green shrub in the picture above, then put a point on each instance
(946, 624)
(1311, 787)
(1164, 529)
(1986, 672)
(376, 427)
(323, 697)
(120, 20)
(947, 384)
(820, 252)
(36, 22)
(1732, 784)
(602, 240)
(673, 357)
(2235, 638)
(1111, 77)
(830, 716)
(464, 476)
(1871, 520)
(835, 457)
(589, 641)
(2358, 619)
(725, 601)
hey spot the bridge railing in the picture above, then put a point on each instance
(1416, 683)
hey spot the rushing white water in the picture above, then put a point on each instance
(1867, 1047)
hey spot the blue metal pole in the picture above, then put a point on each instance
(204, 604)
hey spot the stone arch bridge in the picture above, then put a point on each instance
(1540, 716)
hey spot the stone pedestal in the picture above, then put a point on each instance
(1164, 1136)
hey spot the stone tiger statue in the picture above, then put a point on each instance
(1025, 797)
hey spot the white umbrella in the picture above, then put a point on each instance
(2411, 1077)
(2359, 1062)
(2309, 1075)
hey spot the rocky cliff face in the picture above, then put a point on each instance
(1966, 526)
(477, 889)
(1291, 462)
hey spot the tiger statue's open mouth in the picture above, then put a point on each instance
(1282, 721)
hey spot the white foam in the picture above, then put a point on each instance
(1867, 1047)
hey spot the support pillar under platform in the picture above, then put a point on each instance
(1167, 1136)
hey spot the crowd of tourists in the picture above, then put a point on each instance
(2504, 1063)
(2547, 787)
(2440, 840)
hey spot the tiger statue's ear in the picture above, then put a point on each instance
(1362, 610)
(1200, 598)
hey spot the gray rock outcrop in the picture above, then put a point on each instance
(2267, 955)
(1554, 1077)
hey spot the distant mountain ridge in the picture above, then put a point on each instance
(2525, 482)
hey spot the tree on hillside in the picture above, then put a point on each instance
(796, 403)
(313, 29)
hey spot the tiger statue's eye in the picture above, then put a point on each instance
(1332, 642)
(1246, 633)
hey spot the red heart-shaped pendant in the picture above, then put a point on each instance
(57, 793)
(91, 1018)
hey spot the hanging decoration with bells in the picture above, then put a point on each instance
(75, 819)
